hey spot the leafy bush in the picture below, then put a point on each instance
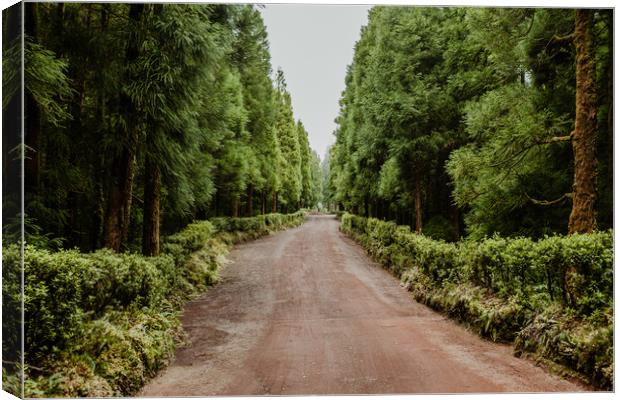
(11, 309)
(582, 345)
(507, 288)
(190, 239)
(440, 228)
(100, 324)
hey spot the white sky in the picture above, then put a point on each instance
(313, 44)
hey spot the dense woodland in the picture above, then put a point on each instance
(470, 122)
(141, 118)
(151, 121)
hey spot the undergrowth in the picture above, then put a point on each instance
(101, 324)
(552, 298)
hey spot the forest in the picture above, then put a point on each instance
(462, 122)
(473, 157)
(144, 117)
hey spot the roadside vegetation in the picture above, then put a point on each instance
(551, 298)
(100, 324)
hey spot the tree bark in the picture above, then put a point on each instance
(456, 224)
(235, 208)
(583, 215)
(262, 203)
(250, 207)
(116, 224)
(152, 195)
(418, 203)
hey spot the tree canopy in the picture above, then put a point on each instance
(144, 117)
(458, 121)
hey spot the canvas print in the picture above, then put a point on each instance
(287, 199)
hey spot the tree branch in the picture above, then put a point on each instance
(530, 27)
(547, 202)
(560, 39)
(563, 38)
(556, 139)
(139, 200)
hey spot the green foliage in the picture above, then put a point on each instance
(439, 228)
(581, 345)
(192, 238)
(552, 297)
(466, 106)
(290, 147)
(401, 111)
(45, 78)
(498, 175)
(124, 91)
(115, 356)
(12, 309)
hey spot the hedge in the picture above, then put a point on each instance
(102, 323)
(552, 298)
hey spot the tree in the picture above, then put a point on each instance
(584, 137)
(116, 220)
(288, 139)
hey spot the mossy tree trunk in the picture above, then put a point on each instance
(583, 215)
(116, 221)
(152, 195)
(418, 202)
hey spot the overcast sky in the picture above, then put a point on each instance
(313, 44)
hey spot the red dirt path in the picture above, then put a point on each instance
(305, 311)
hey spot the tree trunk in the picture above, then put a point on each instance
(116, 224)
(274, 204)
(418, 203)
(105, 12)
(152, 195)
(456, 223)
(583, 215)
(235, 208)
(250, 208)
(263, 200)
(610, 102)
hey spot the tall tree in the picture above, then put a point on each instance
(116, 220)
(288, 139)
(584, 137)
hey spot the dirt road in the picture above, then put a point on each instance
(305, 311)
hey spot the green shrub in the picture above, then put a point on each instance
(53, 295)
(118, 281)
(190, 239)
(439, 228)
(579, 344)
(11, 308)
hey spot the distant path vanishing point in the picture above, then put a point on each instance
(305, 311)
